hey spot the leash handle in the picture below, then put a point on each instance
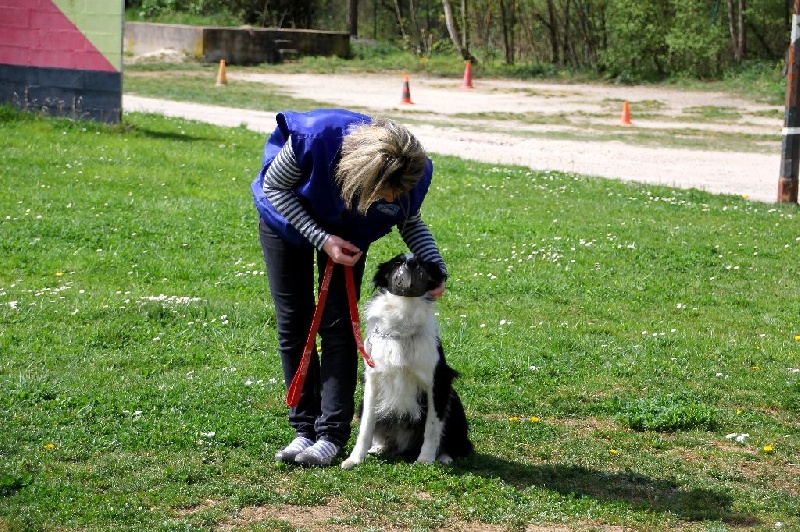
(296, 388)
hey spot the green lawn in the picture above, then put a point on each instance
(614, 341)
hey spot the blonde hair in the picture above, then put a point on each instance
(378, 158)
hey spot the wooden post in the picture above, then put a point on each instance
(790, 152)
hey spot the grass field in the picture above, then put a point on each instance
(616, 343)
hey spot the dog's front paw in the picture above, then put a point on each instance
(377, 449)
(445, 459)
(426, 458)
(350, 463)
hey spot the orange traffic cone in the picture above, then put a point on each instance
(626, 114)
(467, 84)
(406, 91)
(222, 79)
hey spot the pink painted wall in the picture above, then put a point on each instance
(62, 57)
(38, 33)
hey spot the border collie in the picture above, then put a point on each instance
(410, 372)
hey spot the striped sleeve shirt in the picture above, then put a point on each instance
(284, 174)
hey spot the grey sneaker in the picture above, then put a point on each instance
(289, 453)
(320, 454)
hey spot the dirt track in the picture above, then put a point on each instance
(483, 124)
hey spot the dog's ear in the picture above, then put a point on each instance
(381, 279)
(435, 273)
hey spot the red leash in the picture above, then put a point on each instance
(296, 388)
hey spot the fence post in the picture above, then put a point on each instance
(790, 151)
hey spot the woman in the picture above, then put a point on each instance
(332, 182)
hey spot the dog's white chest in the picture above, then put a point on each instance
(402, 340)
(394, 358)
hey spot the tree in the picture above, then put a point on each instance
(696, 47)
(737, 30)
(632, 40)
(452, 29)
(352, 17)
(507, 21)
(551, 25)
(636, 47)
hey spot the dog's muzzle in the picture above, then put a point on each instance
(409, 280)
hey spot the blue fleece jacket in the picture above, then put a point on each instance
(316, 138)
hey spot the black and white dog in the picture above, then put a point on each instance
(410, 372)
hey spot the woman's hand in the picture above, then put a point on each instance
(341, 251)
(437, 292)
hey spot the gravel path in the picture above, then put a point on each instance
(477, 124)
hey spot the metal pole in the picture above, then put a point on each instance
(790, 152)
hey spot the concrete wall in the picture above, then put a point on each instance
(234, 45)
(143, 38)
(62, 57)
(239, 46)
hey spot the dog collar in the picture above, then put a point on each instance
(382, 334)
(424, 297)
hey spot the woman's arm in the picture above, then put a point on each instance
(420, 241)
(279, 180)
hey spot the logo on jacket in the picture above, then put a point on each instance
(389, 209)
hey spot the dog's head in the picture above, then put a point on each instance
(408, 276)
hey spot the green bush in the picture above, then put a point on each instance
(668, 413)
(696, 42)
(636, 49)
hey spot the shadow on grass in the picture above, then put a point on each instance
(639, 491)
(165, 135)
